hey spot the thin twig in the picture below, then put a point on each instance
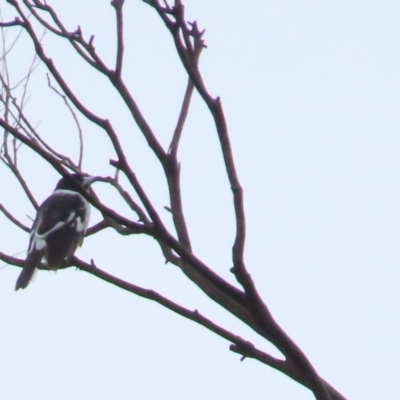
(13, 219)
(74, 38)
(78, 125)
(173, 148)
(11, 165)
(129, 200)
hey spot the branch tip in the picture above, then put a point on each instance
(117, 3)
(115, 163)
(90, 43)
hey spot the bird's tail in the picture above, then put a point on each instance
(31, 262)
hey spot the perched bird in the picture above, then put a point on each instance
(59, 227)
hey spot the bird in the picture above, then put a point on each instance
(59, 227)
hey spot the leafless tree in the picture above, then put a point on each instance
(32, 18)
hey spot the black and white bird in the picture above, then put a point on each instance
(59, 227)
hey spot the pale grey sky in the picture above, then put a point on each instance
(311, 91)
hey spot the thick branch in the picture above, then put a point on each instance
(265, 324)
(240, 346)
(138, 117)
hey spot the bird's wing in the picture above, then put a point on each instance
(45, 225)
(60, 209)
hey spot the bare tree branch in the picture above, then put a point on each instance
(13, 219)
(75, 38)
(243, 301)
(129, 200)
(118, 5)
(173, 171)
(240, 346)
(74, 116)
(173, 148)
(13, 168)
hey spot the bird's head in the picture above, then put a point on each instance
(73, 181)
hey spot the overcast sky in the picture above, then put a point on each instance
(311, 92)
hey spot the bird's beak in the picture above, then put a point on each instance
(88, 180)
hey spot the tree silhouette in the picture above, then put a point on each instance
(242, 300)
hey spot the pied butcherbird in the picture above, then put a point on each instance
(59, 227)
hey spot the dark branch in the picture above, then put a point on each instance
(173, 148)
(129, 200)
(16, 22)
(239, 343)
(98, 227)
(118, 5)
